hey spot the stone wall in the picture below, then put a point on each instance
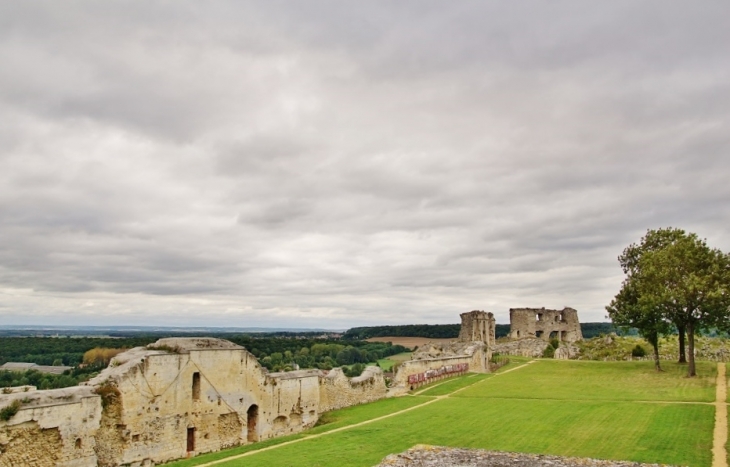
(199, 398)
(477, 326)
(528, 347)
(545, 324)
(432, 357)
(338, 391)
(51, 428)
(401, 384)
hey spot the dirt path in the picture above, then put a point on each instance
(719, 453)
(349, 427)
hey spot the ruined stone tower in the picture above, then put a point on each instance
(545, 324)
(477, 326)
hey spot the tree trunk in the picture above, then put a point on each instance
(682, 354)
(691, 347)
(654, 341)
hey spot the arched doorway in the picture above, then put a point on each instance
(252, 417)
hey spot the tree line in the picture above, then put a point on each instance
(88, 356)
(451, 331)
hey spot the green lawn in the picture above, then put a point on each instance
(677, 434)
(585, 409)
(387, 363)
(448, 386)
(590, 380)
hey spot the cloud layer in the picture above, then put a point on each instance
(333, 164)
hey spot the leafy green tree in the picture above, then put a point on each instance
(654, 240)
(630, 310)
(673, 277)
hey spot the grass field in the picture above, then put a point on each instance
(387, 363)
(590, 380)
(621, 410)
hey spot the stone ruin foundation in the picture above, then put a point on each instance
(433, 456)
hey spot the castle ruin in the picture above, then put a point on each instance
(180, 397)
(477, 326)
(545, 324)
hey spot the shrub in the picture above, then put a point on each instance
(109, 394)
(100, 356)
(638, 351)
(549, 352)
(555, 343)
(165, 348)
(6, 413)
(354, 370)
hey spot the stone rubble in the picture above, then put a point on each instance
(437, 456)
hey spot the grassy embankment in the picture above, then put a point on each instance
(609, 410)
(387, 363)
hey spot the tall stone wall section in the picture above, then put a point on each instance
(51, 428)
(338, 391)
(545, 324)
(201, 400)
(477, 326)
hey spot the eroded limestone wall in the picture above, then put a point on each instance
(51, 428)
(545, 324)
(176, 404)
(337, 390)
(295, 402)
(477, 326)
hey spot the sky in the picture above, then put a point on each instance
(330, 164)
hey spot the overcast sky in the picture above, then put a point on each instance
(333, 164)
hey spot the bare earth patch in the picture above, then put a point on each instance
(433, 456)
(409, 342)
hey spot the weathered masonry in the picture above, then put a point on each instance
(545, 324)
(477, 326)
(181, 397)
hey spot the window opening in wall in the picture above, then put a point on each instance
(553, 335)
(557, 318)
(538, 334)
(196, 386)
(191, 439)
(539, 317)
(562, 317)
(252, 417)
(78, 443)
(518, 333)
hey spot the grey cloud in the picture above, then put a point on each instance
(335, 164)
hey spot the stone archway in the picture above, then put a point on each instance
(252, 418)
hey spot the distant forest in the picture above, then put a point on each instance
(451, 331)
(279, 352)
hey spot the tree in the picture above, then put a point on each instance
(655, 240)
(630, 310)
(693, 281)
(674, 277)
